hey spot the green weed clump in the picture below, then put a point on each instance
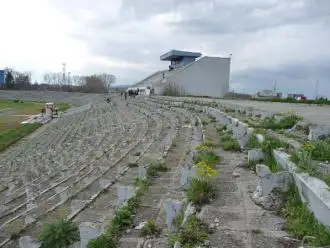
(60, 234)
(253, 142)
(209, 157)
(193, 233)
(153, 169)
(286, 123)
(201, 191)
(228, 143)
(150, 229)
(321, 150)
(102, 241)
(301, 222)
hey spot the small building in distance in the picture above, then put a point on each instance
(190, 74)
(297, 96)
(2, 77)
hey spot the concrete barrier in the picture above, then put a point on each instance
(312, 191)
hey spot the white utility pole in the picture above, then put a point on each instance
(316, 89)
(63, 79)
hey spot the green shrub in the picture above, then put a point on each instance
(201, 191)
(103, 241)
(150, 229)
(60, 234)
(193, 233)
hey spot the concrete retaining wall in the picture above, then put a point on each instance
(313, 191)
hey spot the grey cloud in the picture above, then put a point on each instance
(291, 78)
(249, 18)
(223, 27)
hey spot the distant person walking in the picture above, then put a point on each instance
(125, 96)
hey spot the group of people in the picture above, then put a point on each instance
(134, 92)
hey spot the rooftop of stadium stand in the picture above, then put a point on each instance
(176, 54)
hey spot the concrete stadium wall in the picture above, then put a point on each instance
(208, 76)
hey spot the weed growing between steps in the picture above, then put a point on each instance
(150, 229)
(253, 142)
(123, 218)
(301, 222)
(228, 143)
(201, 191)
(60, 234)
(286, 122)
(192, 234)
(304, 162)
(267, 147)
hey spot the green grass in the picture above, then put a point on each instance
(60, 234)
(253, 142)
(150, 229)
(201, 191)
(320, 101)
(63, 106)
(286, 123)
(228, 143)
(321, 151)
(301, 222)
(304, 162)
(193, 233)
(208, 157)
(10, 137)
(22, 107)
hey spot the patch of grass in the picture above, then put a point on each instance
(193, 233)
(212, 118)
(21, 108)
(178, 219)
(205, 146)
(221, 128)
(301, 222)
(204, 123)
(286, 123)
(63, 106)
(150, 229)
(10, 137)
(271, 143)
(153, 169)
(231, 145)
(304, 162)
(60, 234)
(102, 241)
(209, 157)
(321, 149)
(201, 191)
(253, 142)
(270, 161)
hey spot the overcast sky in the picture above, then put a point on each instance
(286, 41)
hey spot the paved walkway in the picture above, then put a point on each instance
(312, 113)
(237, 221)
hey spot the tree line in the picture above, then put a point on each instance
(56, 81)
